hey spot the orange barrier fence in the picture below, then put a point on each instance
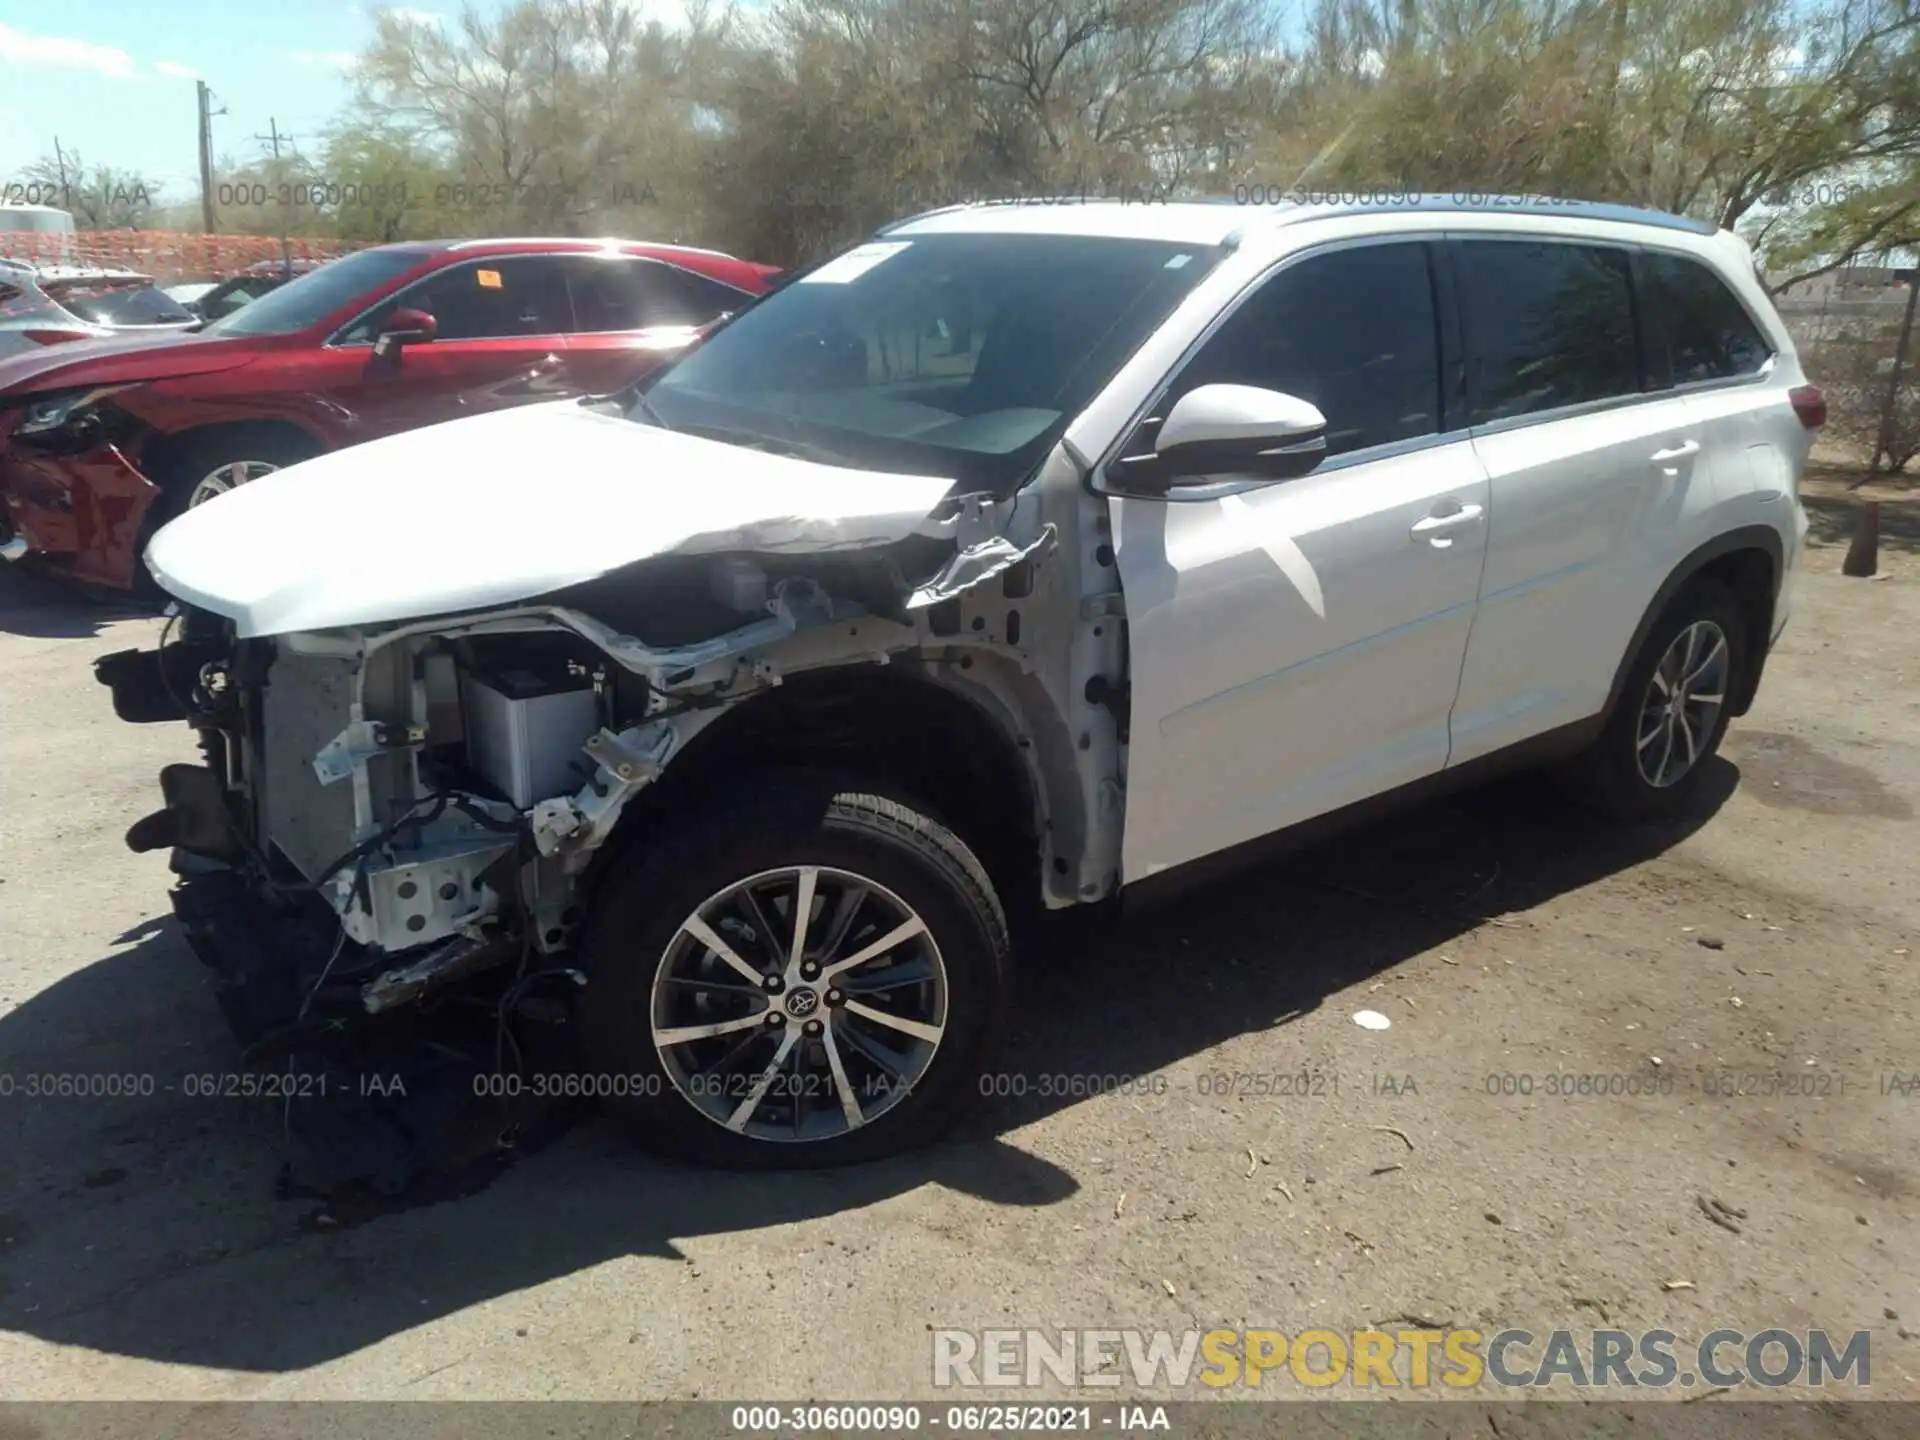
(169, 256)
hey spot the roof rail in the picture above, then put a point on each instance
(893, 225)
(1066, 197)
(1461, 202)
(1283, 209)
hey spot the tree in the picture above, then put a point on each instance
(386, 182)
(101, 197)
(551, 115)
(792, 127)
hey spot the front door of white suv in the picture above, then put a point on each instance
(1296, 645)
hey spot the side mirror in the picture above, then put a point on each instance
(1220, 431)
(404, 327)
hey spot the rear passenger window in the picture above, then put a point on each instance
(1352, 331)
(1709, 334)
(1546, 325)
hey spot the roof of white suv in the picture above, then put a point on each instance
(1216, 222)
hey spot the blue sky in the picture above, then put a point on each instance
(115, 80)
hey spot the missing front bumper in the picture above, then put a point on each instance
(151, 686)
(401, 1104)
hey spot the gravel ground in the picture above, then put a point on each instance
(143, 1252)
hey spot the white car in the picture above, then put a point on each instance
(1023, 555)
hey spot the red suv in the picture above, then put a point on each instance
(104, 441)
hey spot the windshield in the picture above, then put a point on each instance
(962, 356)
(312, 297)
(120, 304)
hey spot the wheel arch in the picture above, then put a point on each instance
(886, 725)
(164, 451)
(1749, 561)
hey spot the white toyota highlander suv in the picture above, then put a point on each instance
(1025, 555)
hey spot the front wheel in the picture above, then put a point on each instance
(203, 470)
(1672, 711)
(805, 976)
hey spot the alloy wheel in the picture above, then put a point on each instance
(1684, 698)
(799, 1004)
(229, 476)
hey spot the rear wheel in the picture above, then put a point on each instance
(808, 975)
(1672, 711)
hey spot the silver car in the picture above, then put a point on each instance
(54, 304)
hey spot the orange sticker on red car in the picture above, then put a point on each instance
(489, 279)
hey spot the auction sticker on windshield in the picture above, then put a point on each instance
(855, 263)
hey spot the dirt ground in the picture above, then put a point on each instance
(143, 1252)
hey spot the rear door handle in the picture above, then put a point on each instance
(1439, 524)
(1681, 451)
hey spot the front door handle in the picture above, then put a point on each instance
(1682, 451)
(1435, 527)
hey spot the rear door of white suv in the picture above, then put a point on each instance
(1717, 356)
(1597, 469)
(1296, 646)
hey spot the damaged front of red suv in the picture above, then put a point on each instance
(73, 496)
(71, 480)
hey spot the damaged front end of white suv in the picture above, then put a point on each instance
(436, 678)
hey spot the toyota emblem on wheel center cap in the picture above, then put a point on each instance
(801, 1003)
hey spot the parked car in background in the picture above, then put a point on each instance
(43, 305)
(189, 295)
(98, 448)
(214, 300)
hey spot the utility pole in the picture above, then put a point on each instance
(274, 137)
(207, 112)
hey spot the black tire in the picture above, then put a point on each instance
(1609, 775)
(786, 819)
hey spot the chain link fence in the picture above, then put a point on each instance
(1847, 327)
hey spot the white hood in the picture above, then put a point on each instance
(502, 508)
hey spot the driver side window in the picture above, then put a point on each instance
(484, 300)
(1353, 331)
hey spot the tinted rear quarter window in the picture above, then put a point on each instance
(1546, 325)
(1352, 331)
(1708, 333)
